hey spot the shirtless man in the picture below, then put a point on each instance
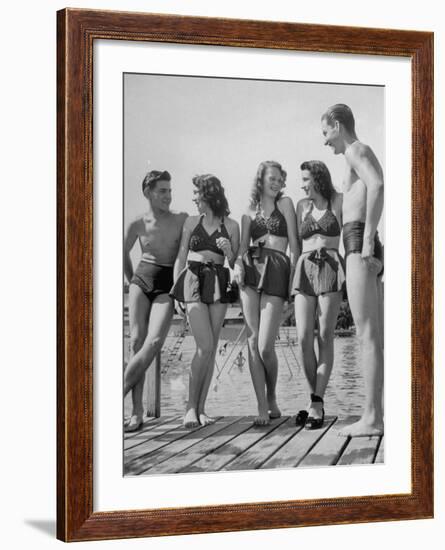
(150, 307)
(362, 209)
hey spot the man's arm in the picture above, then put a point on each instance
(131, 234)
(368, 169)
(183, 248)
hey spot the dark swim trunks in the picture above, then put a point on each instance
(205, 282)
(353, 241)
(267, 270)
(153, 279)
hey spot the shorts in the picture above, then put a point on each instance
(204, 282)
(319, 272)
(153, 279)
(353, 241)
(267, 270)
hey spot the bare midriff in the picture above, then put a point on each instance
(205, 256)
(274, 242)
(354, 202)
(319, 241)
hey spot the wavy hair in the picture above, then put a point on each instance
(258, 184)
(322, 177)
(212, 192)
(152, 178)
(340, 113)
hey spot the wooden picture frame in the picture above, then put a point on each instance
(77, 31)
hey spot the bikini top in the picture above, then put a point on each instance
(275, 224)
(200, 240)
(327, 225)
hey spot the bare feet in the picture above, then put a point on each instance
(205, 420)
(274, 411)
(362, 428)
(134, 424)
(190, 419)
(262, 419)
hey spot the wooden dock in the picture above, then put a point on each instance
(164, 446)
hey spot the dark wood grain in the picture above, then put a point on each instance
(77, 30)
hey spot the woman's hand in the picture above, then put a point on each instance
(239, 274)
(225, 245)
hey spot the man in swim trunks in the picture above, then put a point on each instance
(362, 209)
(150, 307)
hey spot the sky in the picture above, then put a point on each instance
(226, 127)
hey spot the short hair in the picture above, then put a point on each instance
(322, 177)
(152, 178)
(258, 184)
(211, 191)
(340, 113)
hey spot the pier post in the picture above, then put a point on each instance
(153, 388)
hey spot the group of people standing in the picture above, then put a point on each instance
(281, 253)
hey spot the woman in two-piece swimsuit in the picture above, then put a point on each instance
(318, 283)
(204, 284)
(264, 272)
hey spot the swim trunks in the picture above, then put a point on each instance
(153, 279)
(353, 241)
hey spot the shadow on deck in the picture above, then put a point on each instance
(164, 446)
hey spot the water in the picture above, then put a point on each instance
(231, 391)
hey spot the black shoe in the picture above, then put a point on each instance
(315, 423)
(300, 419)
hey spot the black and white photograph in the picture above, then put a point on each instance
(253, 279)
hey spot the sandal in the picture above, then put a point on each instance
(315, 423)
(300, 419)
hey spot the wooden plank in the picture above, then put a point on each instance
(153, 387)
(329, 448)
(360, 450)
(205, 447)
(152, 445)
(228, 452)
(173, 445)
(297, 447)
(380, 457)
(139, 438)
(147, 424)
(254, 457)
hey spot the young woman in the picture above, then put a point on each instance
(207, 241)
(318, 283)
(264, 273)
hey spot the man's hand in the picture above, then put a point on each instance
(373, 263)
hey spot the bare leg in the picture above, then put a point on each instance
(217, 312)
(364, 303)
(138, 312)
(159, 323)
(305, 310)
(199, 319)
(270, 317)
(250, 301)
(329, 306)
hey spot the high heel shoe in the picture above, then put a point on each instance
(315, 423)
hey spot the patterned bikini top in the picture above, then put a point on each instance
(275, 224)
(327, 225)
(200, 240)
